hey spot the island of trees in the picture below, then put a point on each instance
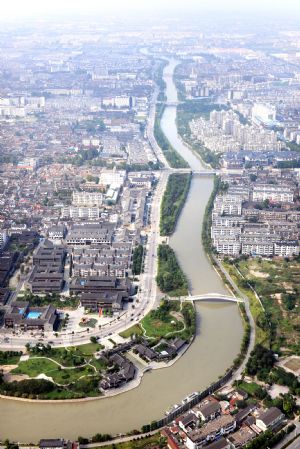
(173, 201)
(170, 277)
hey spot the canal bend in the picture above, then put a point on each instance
(216, 344)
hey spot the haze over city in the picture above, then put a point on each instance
(149, 224)
(69, 8)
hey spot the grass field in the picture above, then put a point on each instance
(71, 356)
(250, 388)
(163, 321)
(88, 348)
(155, 327)
(133, 330)
(277, 282)
(36, 366)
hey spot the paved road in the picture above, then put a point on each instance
(150, 132)
(294, 445)
(291, 436)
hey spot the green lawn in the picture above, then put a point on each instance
(35, 366)
(89, 348)
(98, 364)
(65, 377)
(156, 328)
(70, 356)
(250, 388)
(133, 330)
(160, 322)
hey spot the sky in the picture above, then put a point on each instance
(11, 9)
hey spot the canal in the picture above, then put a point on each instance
(217, 341)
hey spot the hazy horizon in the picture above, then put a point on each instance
(39, 9)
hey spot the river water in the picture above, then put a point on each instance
(217, 342)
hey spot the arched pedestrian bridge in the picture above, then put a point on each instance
(213, 297)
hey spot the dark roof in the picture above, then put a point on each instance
(242, 414)
(51, 443)
(210, 408)
(188, 419)
(220, 444)
(270, 415)
(178, 343)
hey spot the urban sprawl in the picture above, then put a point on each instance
(85, 170)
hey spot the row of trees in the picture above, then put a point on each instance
(174, 158)
(189, 315)
(137, 260)
(173, 201)
(6, 357)
(206, 225)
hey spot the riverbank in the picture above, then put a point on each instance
(216, 343)
(172, 156)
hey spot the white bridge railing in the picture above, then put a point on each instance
(214, 297)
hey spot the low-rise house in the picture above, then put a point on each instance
(209, 411)
(222, 443)
(211, 431)
(242, 437)
(171, 439)
(244, 413)
(56, 444)
(52, 444)
(145, 352)
(125, 374)
(188, 421)
(270, 418)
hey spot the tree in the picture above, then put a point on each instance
(289, 404)
(261, 359)
(9, 445)
(93, 339)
